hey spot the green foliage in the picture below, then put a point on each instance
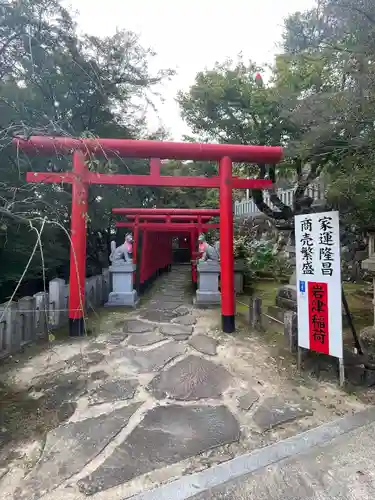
(262, 261)
(319, 103)
(328, 58)
(226, 104)
(188, 197)
(259, 253)
(54, 81)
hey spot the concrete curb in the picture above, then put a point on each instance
(191, 485)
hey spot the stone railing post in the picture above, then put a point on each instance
(291, 330)
(255, 313)
(8, 329)
(56, 298)
(26, 320)
(41, 314)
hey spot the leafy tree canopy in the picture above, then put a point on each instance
(318, 103)
(56, 82)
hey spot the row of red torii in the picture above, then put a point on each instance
(80, 177)
(158, 227)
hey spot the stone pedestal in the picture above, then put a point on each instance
(123, 293)
(239, 269)
(208, 283)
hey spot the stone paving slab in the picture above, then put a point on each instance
(159, 316)
(61, 390)
(191, 379)
(69, 448)
(172, 293)
(182, 310)
(165, 436)
(117, 338)
(204, 344)
(113, 390)
(166, 306)
(138, 326)
(246, 401)
(99, 375)
(274, 411)
(164, 299)
(187, 319)
(151, 360)
(96, 346)
(145, 339)
(178, 332)
(86, 359)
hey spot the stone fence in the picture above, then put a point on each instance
(31, 318)
(288, 321)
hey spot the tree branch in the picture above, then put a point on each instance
(285, 212)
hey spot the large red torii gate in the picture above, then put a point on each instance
(80, 177)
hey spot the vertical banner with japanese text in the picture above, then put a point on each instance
(318, 274)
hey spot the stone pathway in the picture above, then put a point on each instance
(158, 394)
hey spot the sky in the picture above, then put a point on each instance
(190, 36)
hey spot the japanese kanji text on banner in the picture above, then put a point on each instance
(318, 274)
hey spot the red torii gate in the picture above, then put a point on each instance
(167, 215)
(80, 177)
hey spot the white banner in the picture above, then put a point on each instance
(318, 274)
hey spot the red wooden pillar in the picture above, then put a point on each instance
(199, 225)
(78, 247)
(192, 251)
(154, 263)
(135, 246)
(226, 246)
(170, 251)
(143, 257)
(135, 240)
(160, 239)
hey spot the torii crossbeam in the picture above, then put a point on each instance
(80, 177)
